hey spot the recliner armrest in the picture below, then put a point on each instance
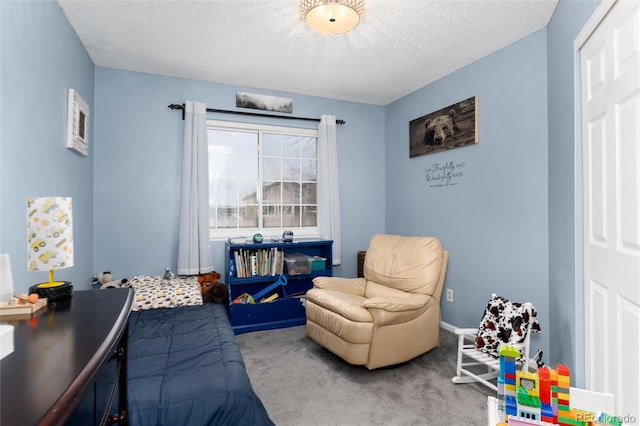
(354, 286)
(395, 304)
(389, 310)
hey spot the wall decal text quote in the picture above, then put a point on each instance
(444, 174)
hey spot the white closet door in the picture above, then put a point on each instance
(611, 166)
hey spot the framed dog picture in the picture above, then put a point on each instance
(450, 127)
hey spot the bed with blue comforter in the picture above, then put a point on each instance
(185, 368)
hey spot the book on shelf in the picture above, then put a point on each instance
(21, 307)
(258, 263)
(254, 265)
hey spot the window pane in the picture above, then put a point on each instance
(227, 217)
(272, 145)
(309, 170)
(291, 169)
(308, 193)
(290, 216)
(308, 147)
(242, 166)
(233, 177)
(272, 168)
(223, 191)
(249, 217)
(271, 216)
(291, 146)
(247, 192)
(291, 193)
(233, 153)
(271, 192)
(309, 216)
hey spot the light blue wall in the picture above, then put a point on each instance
(509, 223)
(493, 221)
(41, 59)
(565, 279)
(137, 177)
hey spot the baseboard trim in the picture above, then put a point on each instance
(447, 326)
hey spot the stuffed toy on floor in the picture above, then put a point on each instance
(212, 291)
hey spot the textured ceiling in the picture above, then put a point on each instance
(399, 46)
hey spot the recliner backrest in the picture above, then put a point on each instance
(410, 264)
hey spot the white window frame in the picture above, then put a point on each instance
(267, 233)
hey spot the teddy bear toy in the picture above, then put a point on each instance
(105, 280)
(212, 291)
(208, 278)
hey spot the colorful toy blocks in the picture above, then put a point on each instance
(507, 403)
(546, 407)
(565, 416)
(528, 395)
(540, 398)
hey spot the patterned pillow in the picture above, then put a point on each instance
(505, 323)
(154, 292)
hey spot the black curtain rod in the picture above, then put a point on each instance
(255, 114)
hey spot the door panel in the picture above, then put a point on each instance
(610, 70)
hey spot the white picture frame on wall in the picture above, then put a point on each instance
(77, 123)
(264, 102)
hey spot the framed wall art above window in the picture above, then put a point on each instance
(77, 123)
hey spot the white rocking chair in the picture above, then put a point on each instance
(503, 323)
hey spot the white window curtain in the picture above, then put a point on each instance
(194, 247)
(328, 193)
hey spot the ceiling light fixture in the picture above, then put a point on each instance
(332, 16)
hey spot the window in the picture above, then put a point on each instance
(261, 179)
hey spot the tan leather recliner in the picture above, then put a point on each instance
(391, 315)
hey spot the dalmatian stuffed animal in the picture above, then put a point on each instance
(105, 280)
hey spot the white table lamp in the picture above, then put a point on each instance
(49, 237)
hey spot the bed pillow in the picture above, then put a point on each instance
(154, 292)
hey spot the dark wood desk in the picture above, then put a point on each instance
(58, 353)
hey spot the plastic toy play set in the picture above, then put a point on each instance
(540, 398)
